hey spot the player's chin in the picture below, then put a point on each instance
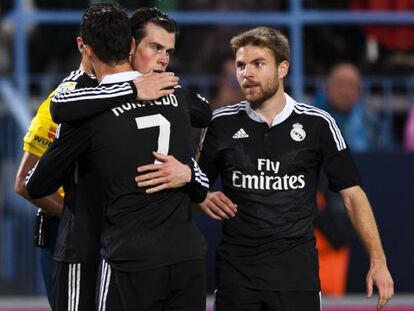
(252, 97)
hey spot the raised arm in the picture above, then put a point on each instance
(69, 105)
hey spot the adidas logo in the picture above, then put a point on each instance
(240, 134)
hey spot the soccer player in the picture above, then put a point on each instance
(144, 238)
(268, 151)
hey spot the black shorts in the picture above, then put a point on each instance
(244, 299)
(74, 286)
(180, 286)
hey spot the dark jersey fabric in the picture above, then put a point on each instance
(80, 228)
(141, 231)
(272, 175)
(79, 231)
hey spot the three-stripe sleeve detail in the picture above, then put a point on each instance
(93, 93)
(229, 110)
(30, 173)
(199, 176)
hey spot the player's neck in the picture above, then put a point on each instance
(270, 108)
(102, 69)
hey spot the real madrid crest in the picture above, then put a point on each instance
(297, 133)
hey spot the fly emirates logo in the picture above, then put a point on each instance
(268, 178)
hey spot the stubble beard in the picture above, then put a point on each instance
(267, 92)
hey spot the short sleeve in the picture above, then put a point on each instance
(336, 158)
(41, 131)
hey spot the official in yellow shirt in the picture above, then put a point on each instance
(38, 138)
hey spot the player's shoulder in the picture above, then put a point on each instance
(313, 113)
(69, 83)
(191, 94)
(44, 107)
(180, 91)
(77, 78)
(229, 111)
(43, 112)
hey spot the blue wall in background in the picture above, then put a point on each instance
(389, 182)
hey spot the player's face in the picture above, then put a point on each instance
(257, 73)
(154, 51)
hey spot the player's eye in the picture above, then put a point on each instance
(260, 64)
(240, 66)
(156, 47)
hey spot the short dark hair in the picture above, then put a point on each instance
(106, 28)
(143, 16)
(264, 37)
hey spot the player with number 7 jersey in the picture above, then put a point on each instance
(143, 235)
(141, 231)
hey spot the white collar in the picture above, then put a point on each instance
(279, 118)
(120, 77)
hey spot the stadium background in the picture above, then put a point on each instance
(37, 49)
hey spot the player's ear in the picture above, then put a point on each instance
(88, 50)
(133, 46)
(283, 69)
(80, 44)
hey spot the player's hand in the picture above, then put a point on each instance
(218, 206)
(379, 276)
(155, 85)
(169, 173)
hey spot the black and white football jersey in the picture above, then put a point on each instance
(272, 174)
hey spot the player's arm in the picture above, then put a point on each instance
(171, 173)
(52, 204)
(216, 204)
(344, 178)
(52, 168)
(69, 105)
(362, 218)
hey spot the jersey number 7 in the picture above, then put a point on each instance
(157, 120)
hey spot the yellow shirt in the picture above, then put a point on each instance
(42, 129)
